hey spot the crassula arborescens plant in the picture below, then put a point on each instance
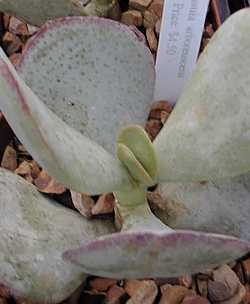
(82, 81)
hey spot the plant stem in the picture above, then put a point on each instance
(134, 212)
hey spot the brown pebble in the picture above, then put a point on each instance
(83, 203)
(156, 7)
(132, 17)
(151, 38)
(9, 159)
(105, 204)
(185, 280)
(246, 268)
(237, 298)
(32, 29)
(155, 114)
(174, 294)
(195, 300)
(22, 149)
(226, 285)
(209, 31)
(47, 184)
(131, 286)
(162, 105)
(140, 5)
(146, 293)
(25, 170)
(35, 169)
(149, 19)
(17, 27)
(153, 127)
(115, 294)
(158, 27)
(11, 43)
(227, 276)
(218, 291)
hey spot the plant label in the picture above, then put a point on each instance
(179, 43)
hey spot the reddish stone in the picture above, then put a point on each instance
(195, 300)
(153, 127)
(105, 204)
(114, 295)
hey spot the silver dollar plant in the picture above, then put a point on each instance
(77, 101)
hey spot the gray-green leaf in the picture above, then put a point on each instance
(67, 155)
(208, 134)
(34, 232)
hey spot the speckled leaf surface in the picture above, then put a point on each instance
(151, 254)
(34, 231)
(37, 12)
(67, 155)
(94, 73)
(207, 135)
(218, 207)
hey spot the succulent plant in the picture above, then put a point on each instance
(37, 12)
(82, 81)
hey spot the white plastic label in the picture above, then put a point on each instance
(180, 37)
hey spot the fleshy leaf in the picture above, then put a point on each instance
(207, 135)
(37, 12)
(95, 74)
(151, 254)
(137, 140)
(218, 207)
(133, 166)
(68, 156)
(34, 232)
